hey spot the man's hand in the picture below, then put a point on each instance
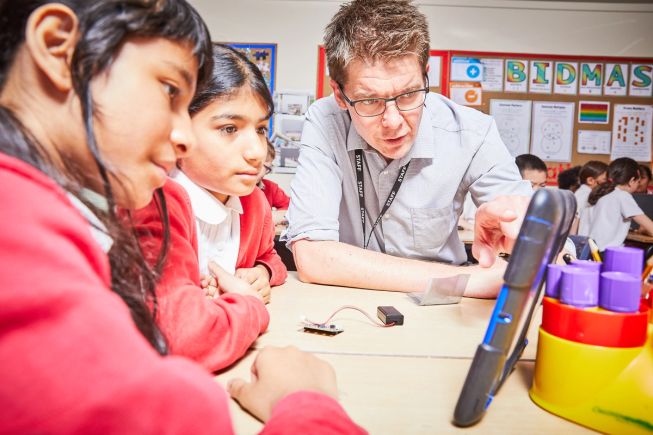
(497, 227)
(258, 278)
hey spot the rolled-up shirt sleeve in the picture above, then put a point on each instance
(316, 189)
(494, 172)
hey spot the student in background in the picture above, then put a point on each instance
(569, 179)
(644, 179)
(592, 174)
(532, 169)
(76, 357)
(275, 195)
(612, 207)
(221, 224)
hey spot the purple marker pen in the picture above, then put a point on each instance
(624, 259)
(553, 275)
(586, 264)
(579, 287)
(620, 292)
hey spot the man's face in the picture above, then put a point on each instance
(393, 132)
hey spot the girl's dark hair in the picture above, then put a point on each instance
(569, 179)
(644, 171)
(593, 169)
(531, 162)
(272, 152)
(620, 171)
(231, 71)
(103, 26)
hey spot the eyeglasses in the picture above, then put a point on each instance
(268, 169)
(369, 107)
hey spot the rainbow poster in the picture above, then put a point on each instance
(566, 78)
(593, 112)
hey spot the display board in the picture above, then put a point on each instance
(263, 55)
(566, 109)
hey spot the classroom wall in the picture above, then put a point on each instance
(580, 28)
(590, 28)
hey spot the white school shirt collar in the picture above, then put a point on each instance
(97, 228)
(206, 207)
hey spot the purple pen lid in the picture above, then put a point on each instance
(620, 292)
(579, 287)
(586, 264)
(553, 275)
(623, 259)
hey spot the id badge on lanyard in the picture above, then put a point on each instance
(358, 155)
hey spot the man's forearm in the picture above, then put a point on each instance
(336, 263)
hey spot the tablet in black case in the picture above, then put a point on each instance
(541, 237)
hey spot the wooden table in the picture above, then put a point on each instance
(429, 331)
(404, 379)
(396, 395)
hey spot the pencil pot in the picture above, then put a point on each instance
(606, 385)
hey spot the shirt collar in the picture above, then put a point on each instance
(423, 147)
(206, 207)
(97, 200)
(98, 229)
(354, 140)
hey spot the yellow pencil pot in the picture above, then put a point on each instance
(609, 389)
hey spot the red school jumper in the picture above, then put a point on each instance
(217, 332)
(275, 195)
(71, 358)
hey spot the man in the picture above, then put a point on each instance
(532, 169)
(417, 153)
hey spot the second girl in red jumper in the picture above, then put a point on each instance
(220, 223)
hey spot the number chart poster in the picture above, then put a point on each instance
(631, 132)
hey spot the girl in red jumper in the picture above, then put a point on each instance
(275, 195)
(93, 112)
(221, 224)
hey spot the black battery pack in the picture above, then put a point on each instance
(390, 315)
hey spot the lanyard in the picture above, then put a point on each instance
(361, 194)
